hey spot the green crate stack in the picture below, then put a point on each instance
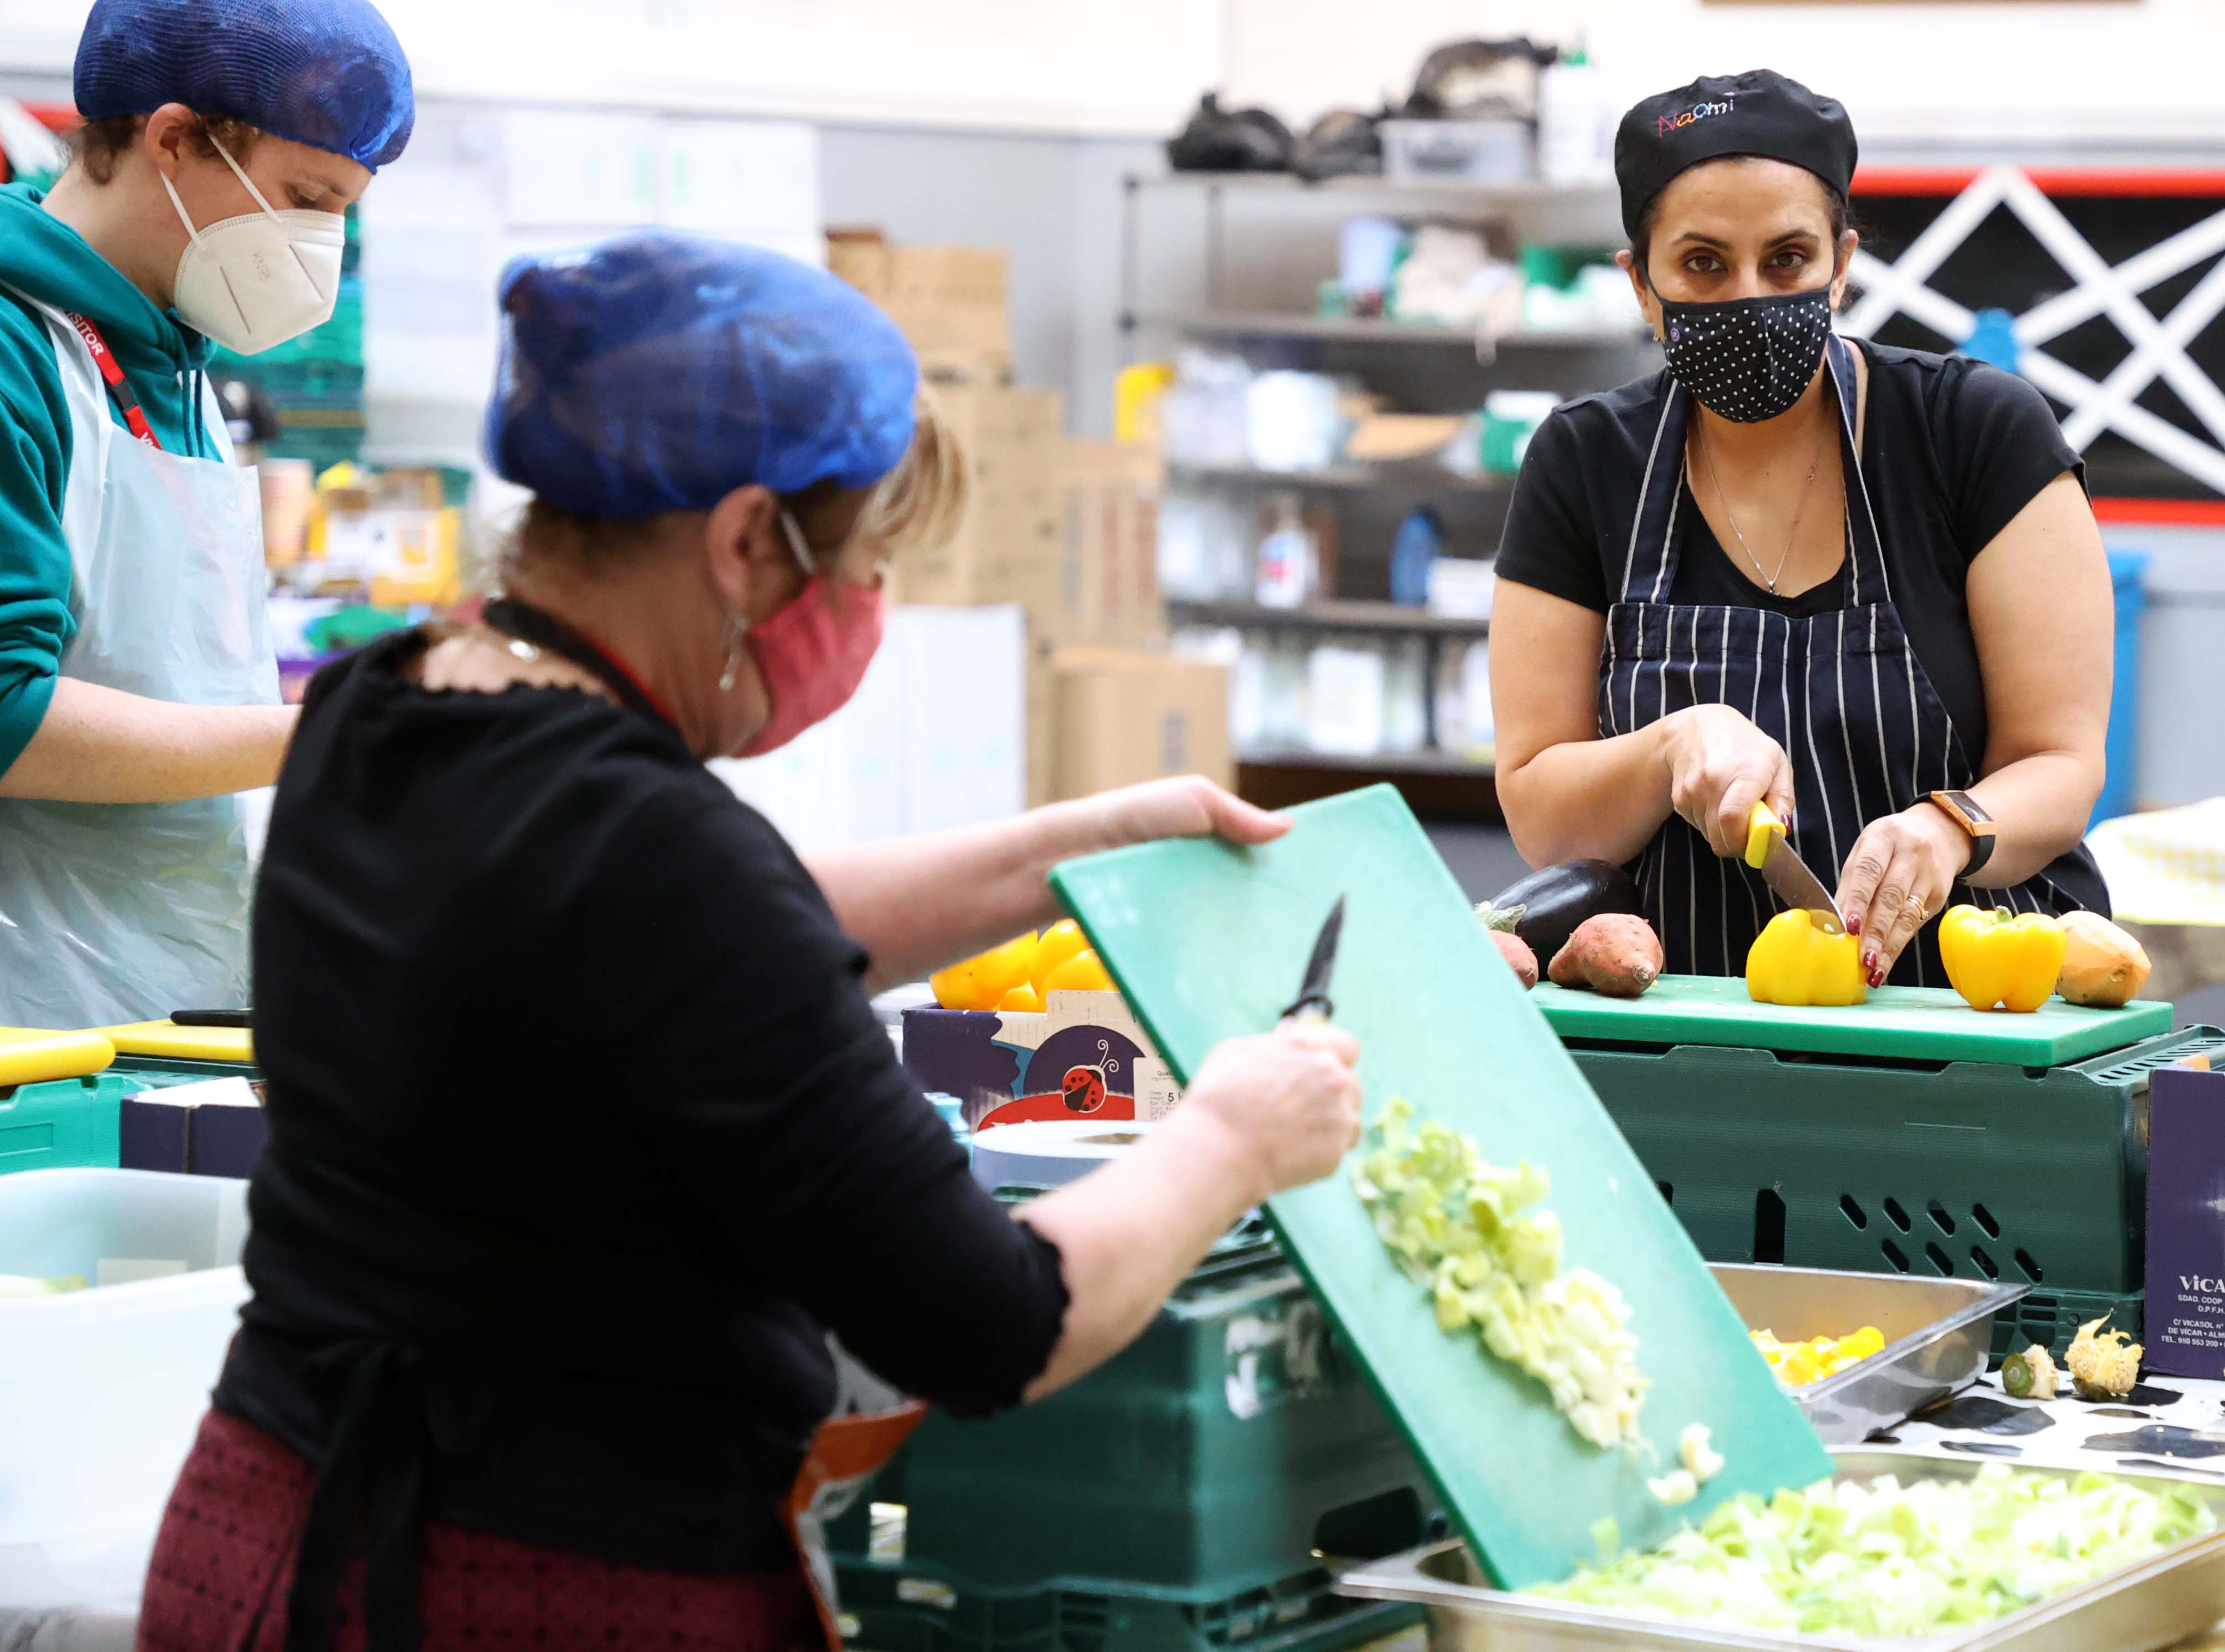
(1972, 1170)
(1177, 1499)
(917, 1609)
(315, 382)
(69, 1124)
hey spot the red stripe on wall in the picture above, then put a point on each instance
(2149, 182)
(2171, 512)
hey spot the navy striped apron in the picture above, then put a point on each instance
(1843, 693)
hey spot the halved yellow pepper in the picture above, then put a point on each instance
(1793, 962)
(982, 981)
(1998, 960)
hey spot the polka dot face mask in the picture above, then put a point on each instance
(1747, 358)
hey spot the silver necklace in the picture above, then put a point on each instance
(1769, 579)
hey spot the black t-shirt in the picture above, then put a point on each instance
(1952, 450)
(573, 1087)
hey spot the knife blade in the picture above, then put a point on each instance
(1312, 1004)
(1768, 852)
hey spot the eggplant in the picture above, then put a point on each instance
(1545, 908)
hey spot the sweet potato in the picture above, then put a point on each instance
(1614, 953)
(1516, 951)
(2102, 967)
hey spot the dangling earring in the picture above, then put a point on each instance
(727, 678)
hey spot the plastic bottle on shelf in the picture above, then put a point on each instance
(1405, 686)
(1415, 550)
(1289, 558)
(1575, 122)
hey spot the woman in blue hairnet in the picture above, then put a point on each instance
(223, 141)
(584, 1136)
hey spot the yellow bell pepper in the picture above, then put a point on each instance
(1793, 962)
(982, 981)
(1059, 942)
(1083, 972)
(2000, 961)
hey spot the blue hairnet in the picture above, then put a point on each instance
(660, 371)
(329, 73)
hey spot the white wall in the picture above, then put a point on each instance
(2046, 69)
(1075, 65)
(2062, 69)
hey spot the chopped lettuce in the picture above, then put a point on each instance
(1695, 1450)
(1888, 1560)
(1464, 1229)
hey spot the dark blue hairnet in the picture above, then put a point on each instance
(329, 73)
(660, 371)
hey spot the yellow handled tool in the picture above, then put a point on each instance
(33, 1054)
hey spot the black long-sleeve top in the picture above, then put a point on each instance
(575, 1092)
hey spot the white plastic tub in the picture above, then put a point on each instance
(101, 1389)
(1458, 151)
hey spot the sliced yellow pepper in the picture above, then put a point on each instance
(982, 981)
(1793, 962)
(1996, 960)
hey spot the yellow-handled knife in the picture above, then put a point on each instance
(1769, 853)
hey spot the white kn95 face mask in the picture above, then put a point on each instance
(258, 279)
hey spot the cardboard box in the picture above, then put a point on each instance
(212, 1129)
(945, 297)
(1084, 1057)
(1108, 589)
(1120, 717)
(1006, 548)
(2184, 1311)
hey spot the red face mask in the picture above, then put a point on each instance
(813, 652)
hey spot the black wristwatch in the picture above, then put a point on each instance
(1963, 810)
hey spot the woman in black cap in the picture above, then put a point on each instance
(1859, 582)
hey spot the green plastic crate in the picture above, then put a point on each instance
(69, 1124)
(1211, 1458)
(155, 1072)
(1968, 1169)
(905, 1607)
(2052, 1318)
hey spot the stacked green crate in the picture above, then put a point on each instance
(315, 382)
(1179, 1499)
(1962, 1169)
(68, 1123)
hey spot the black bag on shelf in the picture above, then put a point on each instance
(1222, 140)
(1342, 143)
(1479, 79)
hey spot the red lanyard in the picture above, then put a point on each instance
(103, 358)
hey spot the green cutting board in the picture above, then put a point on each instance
(1898, 1022)
(1208, 941)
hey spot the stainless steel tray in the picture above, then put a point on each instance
(2158, 1603)
(1938, 1336)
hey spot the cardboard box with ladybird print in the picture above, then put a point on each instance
(1083, 1058)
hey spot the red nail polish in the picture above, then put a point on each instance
(1853, 925)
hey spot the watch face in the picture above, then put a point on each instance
(1966, 809)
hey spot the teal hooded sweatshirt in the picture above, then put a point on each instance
(162, 361)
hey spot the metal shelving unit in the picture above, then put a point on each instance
(1419, 477)
(1379, 618)
(1256, 295)
(1331, 329)
(1375, 762)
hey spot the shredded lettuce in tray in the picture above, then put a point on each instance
(1887, 1560)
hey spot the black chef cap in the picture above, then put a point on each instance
(1759, 112)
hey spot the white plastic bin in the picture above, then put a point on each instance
(1458, 151)
(101, 1389)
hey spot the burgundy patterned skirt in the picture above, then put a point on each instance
(223, 1566)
